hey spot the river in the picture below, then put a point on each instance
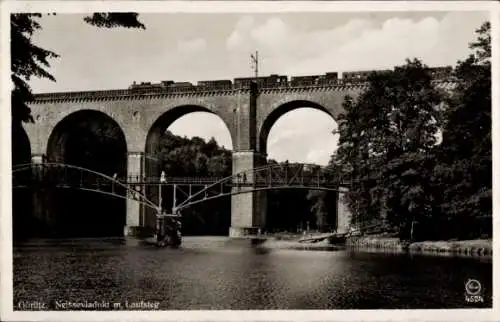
(219, 273)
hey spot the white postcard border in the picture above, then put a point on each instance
(6, 296)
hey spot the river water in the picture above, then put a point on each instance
(219, 273)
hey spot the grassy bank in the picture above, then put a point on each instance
(478, 247)
(469, 247)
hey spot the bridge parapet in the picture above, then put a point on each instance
(150, 91)
(125, 94)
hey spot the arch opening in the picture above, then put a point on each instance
(92, 140)
(300, 132)
(283, 111)
(189, 141)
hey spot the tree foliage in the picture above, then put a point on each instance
(385, 138)
(27, 61)
(114, 19)
(181, 156)
(465, 167)
(401, 173)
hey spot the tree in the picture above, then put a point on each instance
(388, 148)
(350, 154)
(324, 203)
(386, 141)
(482, 46)
(465, 168)
(29, 60)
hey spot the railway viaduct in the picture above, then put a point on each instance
(248, 112)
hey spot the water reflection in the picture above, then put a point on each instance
(219, 273)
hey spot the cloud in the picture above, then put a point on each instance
(356, 45)
(240, 32)
(193, 45)
(396, 40)
(359, 44)
(272, 30)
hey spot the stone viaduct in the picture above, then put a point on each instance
(248, 112)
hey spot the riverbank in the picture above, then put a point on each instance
(478, 247)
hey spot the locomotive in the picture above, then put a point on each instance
(146, 88)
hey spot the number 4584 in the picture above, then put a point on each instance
(474, 299)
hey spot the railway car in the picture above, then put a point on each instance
(214, 85)
(331, 77)
(263, 82)
(304, 81)
(441, 72)
(166, 83)
(275, 81)
(181, 87)
(360, 76)
(328, 79)
(243, 82)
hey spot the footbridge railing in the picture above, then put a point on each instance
(268, 177)
(191, 190)
(61, 175)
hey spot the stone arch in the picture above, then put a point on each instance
(74, 124)
(281, 110)
(94, 140)
(275, 219)
(48, 116)
(161, 124)
(152, 164)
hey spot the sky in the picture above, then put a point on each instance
(206, 46)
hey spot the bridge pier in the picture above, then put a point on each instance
(248, 209)
(343, 213)
(41, 198)
(135, 209)
(39, 207)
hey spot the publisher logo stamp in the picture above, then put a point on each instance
(473, 290)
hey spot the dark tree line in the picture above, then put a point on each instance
(403, 175)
